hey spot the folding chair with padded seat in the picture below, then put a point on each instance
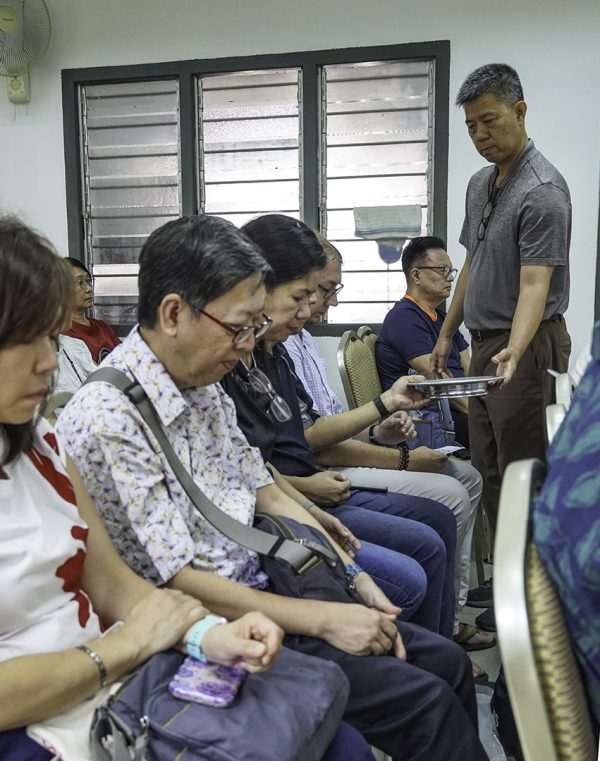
(369, 336)
(543, 678)
(358, 370)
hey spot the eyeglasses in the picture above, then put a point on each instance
(329, 292)
(84, 282)
(239, 335)
(446, 272)
(260, 382)
(487, 213)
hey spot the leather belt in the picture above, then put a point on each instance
(479, 335)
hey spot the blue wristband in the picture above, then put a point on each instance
(194, 637)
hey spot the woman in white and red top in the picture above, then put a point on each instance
(61, 582)
(97, 335)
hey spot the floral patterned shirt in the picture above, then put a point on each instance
(150, 519)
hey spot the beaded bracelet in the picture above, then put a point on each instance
(98, 661)
(194, 637)
(404, 456)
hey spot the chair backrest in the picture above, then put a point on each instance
(543, 678)
(564, 388)
(358, 371)
(555, 414)
(369, 336)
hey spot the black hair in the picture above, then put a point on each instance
(497, 79)
(78, 264)
(415, 251)
(198, 257)
(290, 247)
(36, 295)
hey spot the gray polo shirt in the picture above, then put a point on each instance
(530, 224)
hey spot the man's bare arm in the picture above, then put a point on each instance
(355, 629)
(332, 429)
(452, 322)
(358, 454)
(534, 283)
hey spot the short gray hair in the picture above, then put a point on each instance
(199, 257)
(497, 79)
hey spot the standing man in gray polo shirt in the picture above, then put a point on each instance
(514, 286)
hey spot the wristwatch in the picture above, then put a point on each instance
(352, 571)
(372, 438)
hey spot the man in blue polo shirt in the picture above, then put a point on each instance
(411, 328)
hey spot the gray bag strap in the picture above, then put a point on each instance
(301, 555)
(111, 738)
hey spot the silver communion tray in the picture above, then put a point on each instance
(446, 388)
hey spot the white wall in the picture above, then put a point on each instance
(554, 45)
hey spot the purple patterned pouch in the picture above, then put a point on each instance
(206, 683)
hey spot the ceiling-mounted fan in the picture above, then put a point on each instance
(25, 30)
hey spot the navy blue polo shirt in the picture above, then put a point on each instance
(408, 332)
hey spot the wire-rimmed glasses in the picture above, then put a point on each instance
(260, 382)
(84, 282)
(241, 334)
(448, 273)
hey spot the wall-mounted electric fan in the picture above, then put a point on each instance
(24, 37)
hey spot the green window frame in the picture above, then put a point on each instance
(311, 64)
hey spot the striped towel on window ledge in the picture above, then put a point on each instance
(390, 223)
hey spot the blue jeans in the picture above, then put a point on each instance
(348, 745)
(398, 530)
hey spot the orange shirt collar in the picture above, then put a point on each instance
(432, 315)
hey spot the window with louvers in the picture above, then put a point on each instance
(131, 177)
(378, 133)
(249, 147)
(312, 135)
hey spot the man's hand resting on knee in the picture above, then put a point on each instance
(359, 630)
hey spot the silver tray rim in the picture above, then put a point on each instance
(440, 388)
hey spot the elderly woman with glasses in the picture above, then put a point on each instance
(97, 335)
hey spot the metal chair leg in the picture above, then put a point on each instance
(479, 545)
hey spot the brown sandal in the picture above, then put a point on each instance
(470, 638)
